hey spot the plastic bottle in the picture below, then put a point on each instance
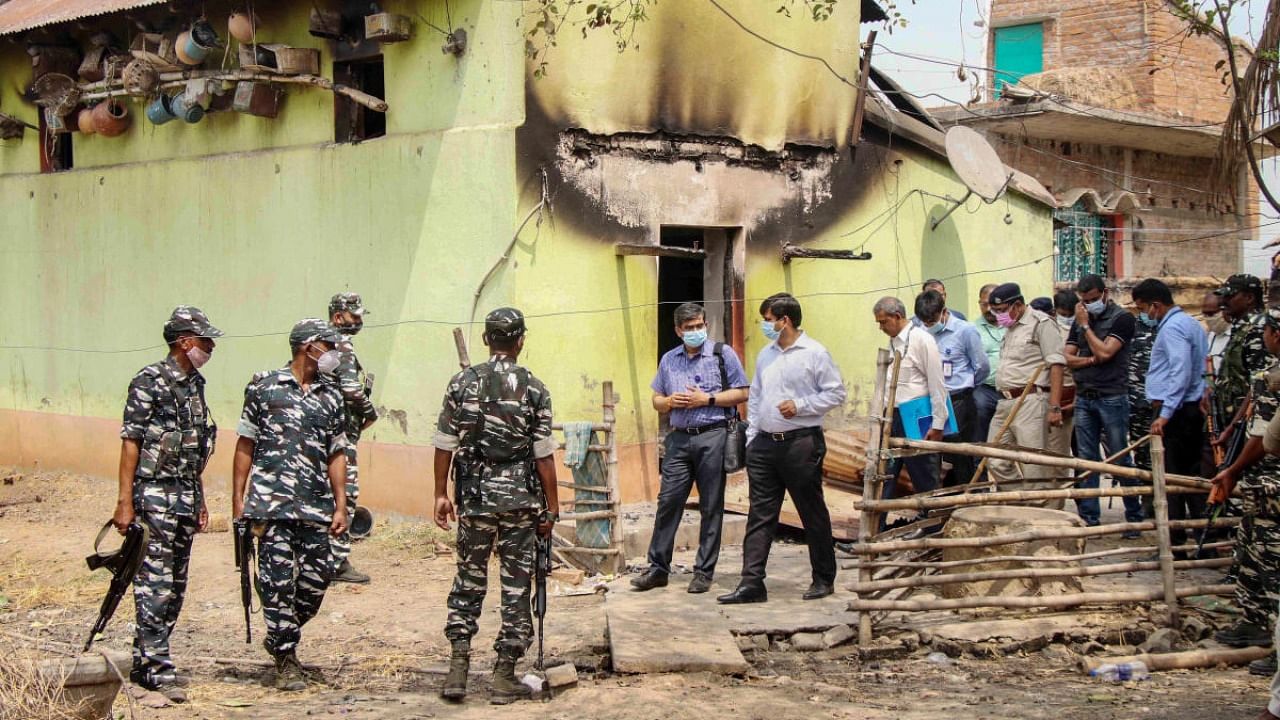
(1122, 672)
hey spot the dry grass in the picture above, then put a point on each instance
(416, 539)
(1096, 86)
(29, 587)
(383, 673)
(25, 692)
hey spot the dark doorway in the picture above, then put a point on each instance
(353, 122)
(680, 280)
(55, 147)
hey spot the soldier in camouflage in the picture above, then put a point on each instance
(346, 315)
(1258, 536)
(290, 461)
(1140, 414)
(1245, 354)
(495, 429)
(166, 440)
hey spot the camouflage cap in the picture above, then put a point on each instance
(1270, 318)
(313, 330)
(1238, 283)
(504, 324)
(189, 319)
(347, 302)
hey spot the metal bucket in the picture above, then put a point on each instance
(159, 110)
(186, 108)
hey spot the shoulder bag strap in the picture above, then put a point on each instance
(724, 377)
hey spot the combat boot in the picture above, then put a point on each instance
(455, 683)
(289, 675)
(506, 687)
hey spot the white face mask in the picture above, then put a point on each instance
(198, 357)
(1066, 321)
(327, 362)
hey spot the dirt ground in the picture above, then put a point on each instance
(375, 641)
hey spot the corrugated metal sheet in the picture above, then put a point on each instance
(19, 15)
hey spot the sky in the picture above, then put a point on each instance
(955, 30)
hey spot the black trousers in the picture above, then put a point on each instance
(1183, 440)
(962, 466)
(689, 460)
(794, 466)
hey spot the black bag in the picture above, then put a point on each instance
(735, 444)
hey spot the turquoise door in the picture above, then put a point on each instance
(1019, 51)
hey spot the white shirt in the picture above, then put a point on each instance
(921, 372)
(1218, 346)
(803, 373)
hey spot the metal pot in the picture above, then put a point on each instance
(186, 108)
(159, 110)
(188, 51)
(110, 118)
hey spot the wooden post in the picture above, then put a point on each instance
(1161, 503)
(609, 403)
(869, 517)
(1004, 427)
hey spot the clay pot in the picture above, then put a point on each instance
(84, 119)
(241, 26)
(110, 118)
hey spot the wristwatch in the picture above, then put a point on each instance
(1055, 408)
(711, 400)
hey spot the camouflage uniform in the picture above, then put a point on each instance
(167, 414)
(1244, 357)
(295, 432)
(1140, 415)
(497, 420)
(356, 387)
(1258, 535)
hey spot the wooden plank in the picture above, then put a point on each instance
(623, 249)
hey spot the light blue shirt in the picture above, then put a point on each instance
(964, 360)
(677, 372)
(803, 373)
(1176, 375)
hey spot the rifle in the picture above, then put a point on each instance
(123, 564)
(244, 552)
(542, 568)
(1239, 435)
(1215, 413)
(1215, 510)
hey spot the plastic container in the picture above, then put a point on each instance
(1122, 672)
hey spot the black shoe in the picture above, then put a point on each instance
(1243, 634)
(166, 685)
(922, 532)
(700, 583)
(348, 574)
(654, 578)
(1131, 535)
(744, 594)
(818, 590)
(845, 548)
(1266, 667)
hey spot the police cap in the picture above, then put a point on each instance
(1005, 294)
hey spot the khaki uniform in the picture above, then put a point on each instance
(1033, 340)
(1060, 437)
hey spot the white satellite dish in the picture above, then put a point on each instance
(977, 165)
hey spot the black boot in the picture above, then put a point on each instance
(455, 683)
(506, 687)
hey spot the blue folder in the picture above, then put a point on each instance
(917, 417)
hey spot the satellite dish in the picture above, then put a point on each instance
(977, 165)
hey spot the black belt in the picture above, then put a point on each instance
(792, 434)
(1098, 394)
(704, 428)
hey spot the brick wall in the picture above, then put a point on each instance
(1174, 209)
(1171, 73)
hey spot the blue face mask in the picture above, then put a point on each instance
(1147, 320)
(769, 330)
(695, 338)
(1096, 307)
(936, 328)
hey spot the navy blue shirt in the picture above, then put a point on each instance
(677, 372)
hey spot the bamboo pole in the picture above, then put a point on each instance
(877, 548)
(104, 89)
(878, 440)
(1190, 660)
(1133, 550)
(1031, 456)
(999, 498)
(460, 343)
(916, 581)
(1004, 427)
(1051, 601)
(590, 551)
(595, 515)
(608, 403)
(1161, 507)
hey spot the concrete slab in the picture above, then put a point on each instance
(661, 631)
(785, 613)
